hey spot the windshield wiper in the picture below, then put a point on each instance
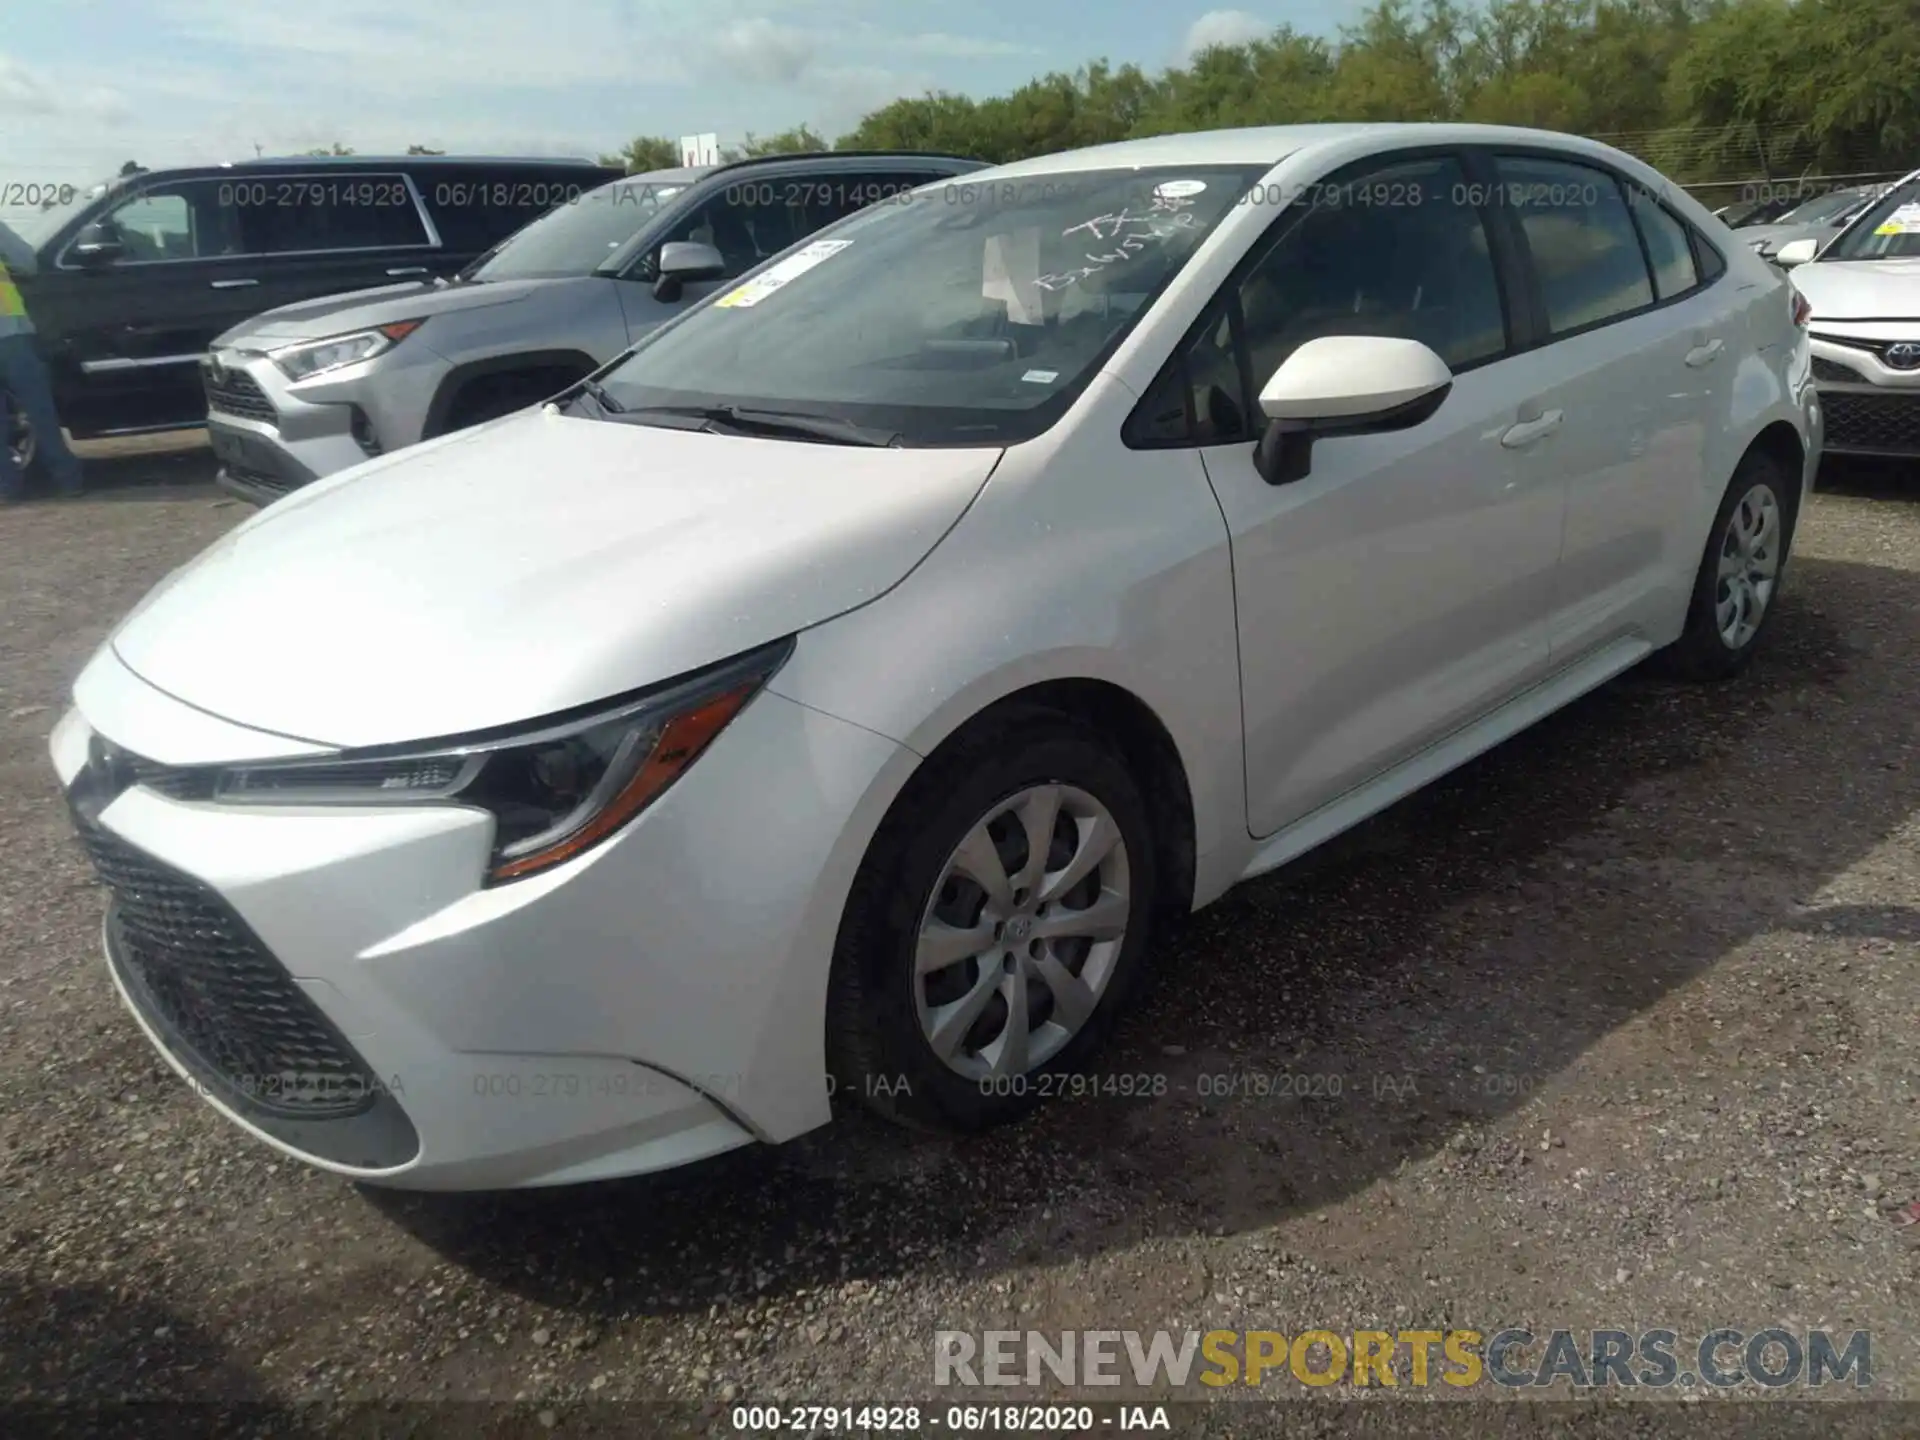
(778, 422)
(597, 393)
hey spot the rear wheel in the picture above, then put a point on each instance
(1738, 583)
(997, 926)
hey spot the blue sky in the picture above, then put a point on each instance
(86, 84)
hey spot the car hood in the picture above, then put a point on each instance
(363, 309)
(529, 566)
(1861, 289)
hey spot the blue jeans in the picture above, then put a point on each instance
(24, 386)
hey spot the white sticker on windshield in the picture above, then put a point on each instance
(1904, 221)
(768, 281)
(1179, 189)
(1041, 377)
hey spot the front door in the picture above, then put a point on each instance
(1401, 588)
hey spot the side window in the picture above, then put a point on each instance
(834, 197)
(1712, 264)
(746, 222)
(293, 214)
(1667, 247)
(185, 220)
(1395, 250)
(1398, 250)
(1585, 249)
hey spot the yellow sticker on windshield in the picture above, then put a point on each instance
(1904, 221)
(768, 281)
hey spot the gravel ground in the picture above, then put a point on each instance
(1621, 1019)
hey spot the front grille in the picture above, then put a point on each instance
(234, 392)
(1881, 424)
(1825, 369)
(225, 1007)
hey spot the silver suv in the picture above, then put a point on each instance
(300, 392)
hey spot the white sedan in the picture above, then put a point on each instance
(838, 695)
(1864, 290)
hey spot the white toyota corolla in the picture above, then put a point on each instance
(839, 693)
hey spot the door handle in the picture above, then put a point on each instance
(1528, 431)
(232, 284)
(408, 270)
(1705, 354)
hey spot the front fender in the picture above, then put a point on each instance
(1080, 560)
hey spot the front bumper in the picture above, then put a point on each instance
(658, 1000)
(1870, 408)
(272, 436)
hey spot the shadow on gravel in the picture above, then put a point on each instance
(1401, 988)
(86, 1359)
(1894, 480)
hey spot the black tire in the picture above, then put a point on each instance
(23, 444)
(493, 396)
(877, 1053)
(1702, 652)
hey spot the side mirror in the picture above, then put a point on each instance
(1344, 385)
(682, 261)
(1797, 252)
(99, 244)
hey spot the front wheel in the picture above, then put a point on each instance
(996, 928)
(1738, 583)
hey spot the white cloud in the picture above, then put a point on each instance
(763, 50)
(1224, 27)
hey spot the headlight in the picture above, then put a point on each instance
(312, 357)
(553, 792)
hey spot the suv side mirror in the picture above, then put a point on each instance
(1344, 385)
(684, 260)
(99, 244)
(1797, 252)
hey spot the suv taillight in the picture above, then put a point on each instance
(1802, 309)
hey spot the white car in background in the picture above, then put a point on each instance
(1864, 289)
(838, 693)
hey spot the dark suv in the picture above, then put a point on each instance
(138, 275)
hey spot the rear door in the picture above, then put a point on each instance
(330, 233)
(1632, 353)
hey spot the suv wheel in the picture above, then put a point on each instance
(491, 396)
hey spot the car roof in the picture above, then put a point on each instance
(804, 160)
(1270, 144)
(429, 161)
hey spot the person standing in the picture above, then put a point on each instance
(24, 384)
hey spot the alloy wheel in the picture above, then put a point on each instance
(1023, 932)
(1749, 568)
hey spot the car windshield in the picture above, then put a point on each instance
(1829, 206)
(56, 205)
(577, 238)
(1891, 227)
(971, 314)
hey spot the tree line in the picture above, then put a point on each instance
(1708, 90)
